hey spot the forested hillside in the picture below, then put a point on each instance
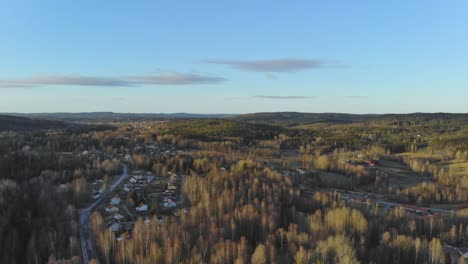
(26, 124)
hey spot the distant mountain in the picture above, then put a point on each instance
(114, 117)
(16, 123)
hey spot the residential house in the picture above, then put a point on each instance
(118, 216)
(112, 208)
(150, 178)
(124, 236)
(169, 204)
(142, 207)
(463, 252)
(128, 158)
(115, 200)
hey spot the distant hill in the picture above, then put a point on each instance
(295, 118)
(114, 117)
(285, 119)
(16, 123)
(207, 129)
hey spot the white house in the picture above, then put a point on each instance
(142, 207)
(112, 208)
(301, 171)
(118, 216)
(133, 180)
(139, 176)
(128, 158)
(169, 204)
(150, 178)
(126, 189)
(115, 200)
(463, 252)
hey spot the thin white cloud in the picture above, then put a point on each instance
(273, 65)
(272, 97)
(177, 79)
(356, 96)
(283, 97)
(119, 81)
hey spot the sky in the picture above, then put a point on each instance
(151, 56)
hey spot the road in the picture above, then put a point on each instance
(87, 247)
(434, 210)
(362, 197)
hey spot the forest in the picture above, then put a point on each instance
(261, 188)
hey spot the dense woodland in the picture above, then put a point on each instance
(41, 189)
(246, 202)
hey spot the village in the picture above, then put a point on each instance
(142, 195)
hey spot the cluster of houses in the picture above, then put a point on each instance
(136, 184)
(145, 190)
(145, 125)
(113, 208)
(156, 149)
(172, 191)
(85, 154)
(138, 181)
(118, 216)
(115, 218)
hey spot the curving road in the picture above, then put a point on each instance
(354, 196)
(87, 247)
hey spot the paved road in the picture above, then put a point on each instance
(361, 197)
(434, 210)
(87, 247)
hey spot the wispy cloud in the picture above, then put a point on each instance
(119, 81)
(283, 97)
(15, 85)
(177, 79)
(356, 96)
(274, 65)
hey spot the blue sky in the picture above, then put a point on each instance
(233, 56)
